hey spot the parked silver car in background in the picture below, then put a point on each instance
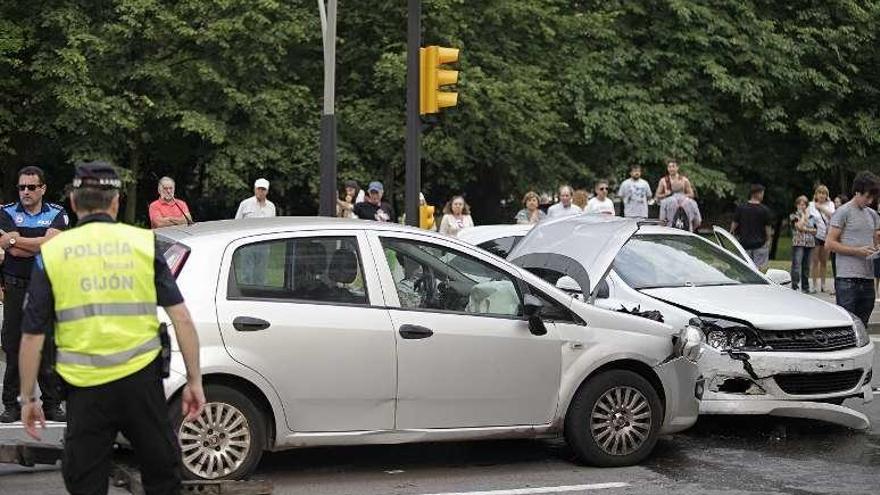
(769, 350)
(338, 332)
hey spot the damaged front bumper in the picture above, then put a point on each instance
(681, 387)
(791, 384)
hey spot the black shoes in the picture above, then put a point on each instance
(55, 414)
(10, 415)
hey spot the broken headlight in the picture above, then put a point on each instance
(725, 335)
(861, 332)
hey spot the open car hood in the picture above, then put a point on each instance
(581, 246)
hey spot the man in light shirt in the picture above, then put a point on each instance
(564, 207)
(635, 193)
(257, 206)
(600, 204)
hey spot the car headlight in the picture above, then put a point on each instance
(690, 343)
(861, 332)
(725, 335)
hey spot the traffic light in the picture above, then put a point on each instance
(433, 77)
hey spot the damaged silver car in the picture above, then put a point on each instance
(769, 350)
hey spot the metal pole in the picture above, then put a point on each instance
(328, 196)
(413, 122)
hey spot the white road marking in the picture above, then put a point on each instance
(875, 338)
(542, 489)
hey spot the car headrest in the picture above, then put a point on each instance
(343, 266)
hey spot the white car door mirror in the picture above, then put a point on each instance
(779, 277)
(569, 285)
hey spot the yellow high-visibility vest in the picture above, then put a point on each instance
(102, 277)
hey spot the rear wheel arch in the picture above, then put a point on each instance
(248, 389)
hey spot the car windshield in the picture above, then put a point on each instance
(654, 261)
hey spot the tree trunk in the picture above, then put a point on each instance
(131, 188)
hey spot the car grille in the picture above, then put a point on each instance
(818, 383)
(817, 339)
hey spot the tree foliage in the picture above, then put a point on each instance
(219, 92)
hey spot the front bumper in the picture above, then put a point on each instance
(738, 386)
(681, 385)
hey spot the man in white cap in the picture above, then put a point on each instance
(257, 206)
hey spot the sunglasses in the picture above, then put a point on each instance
(603, 188)
(29, 187)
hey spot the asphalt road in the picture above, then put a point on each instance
(720, 455)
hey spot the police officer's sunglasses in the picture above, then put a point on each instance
(29, 187)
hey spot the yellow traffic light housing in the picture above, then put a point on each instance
(433, 78)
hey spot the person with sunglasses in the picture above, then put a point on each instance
(26, 225)
(600, 204)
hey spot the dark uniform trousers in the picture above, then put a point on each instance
(134, 405)
(14, 291)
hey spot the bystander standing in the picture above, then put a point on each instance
(168, 210)
(580, 197)
(854, 234)
(751, 225)
(564, 207)
(820, 210)
(352, 196)
(635, 193)
(456, 217)
(600, 204)
(664, 187)
(679, 211)
(530, 214)
(258, 205)
(803, 231)
(374, 207)
(26, 225)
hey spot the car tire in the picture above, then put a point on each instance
(614, 419)
(226, 442)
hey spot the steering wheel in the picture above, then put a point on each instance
(427, 285)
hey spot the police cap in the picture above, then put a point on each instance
(97, 174)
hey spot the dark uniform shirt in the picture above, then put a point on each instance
(39, 307)
(15, 218)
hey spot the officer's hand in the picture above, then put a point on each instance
(193, 401)
(31, 414)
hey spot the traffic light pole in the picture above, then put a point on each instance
(328, 195)
(413, 121)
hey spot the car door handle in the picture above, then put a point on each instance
(415, 332)
(249, 324)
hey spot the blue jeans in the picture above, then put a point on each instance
(856, 295)
(800, 267)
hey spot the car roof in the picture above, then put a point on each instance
(253, 226)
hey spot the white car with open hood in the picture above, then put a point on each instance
(320, 332)
(769, 349)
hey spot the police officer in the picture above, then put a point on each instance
(99, 284)
(26, 225)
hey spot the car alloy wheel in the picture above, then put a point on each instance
(621, 421)
(217, 442)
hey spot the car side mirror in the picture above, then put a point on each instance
(779, 277)
(532, 307)
(602, 290)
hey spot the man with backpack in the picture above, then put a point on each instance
(679, 211)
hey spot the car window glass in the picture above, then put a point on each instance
(427, 276)
(653, 261)
(500, 247)
(321, 269)
(726, 244)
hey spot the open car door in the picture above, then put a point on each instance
(726, 240)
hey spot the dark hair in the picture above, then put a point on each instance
(447, 209)
(92, 198)
(32, 170)
(866, 183)
(755, 189)
(635, 167)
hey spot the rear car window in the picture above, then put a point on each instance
(319, 269)
(501, 247)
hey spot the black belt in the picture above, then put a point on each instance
(13, 281)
